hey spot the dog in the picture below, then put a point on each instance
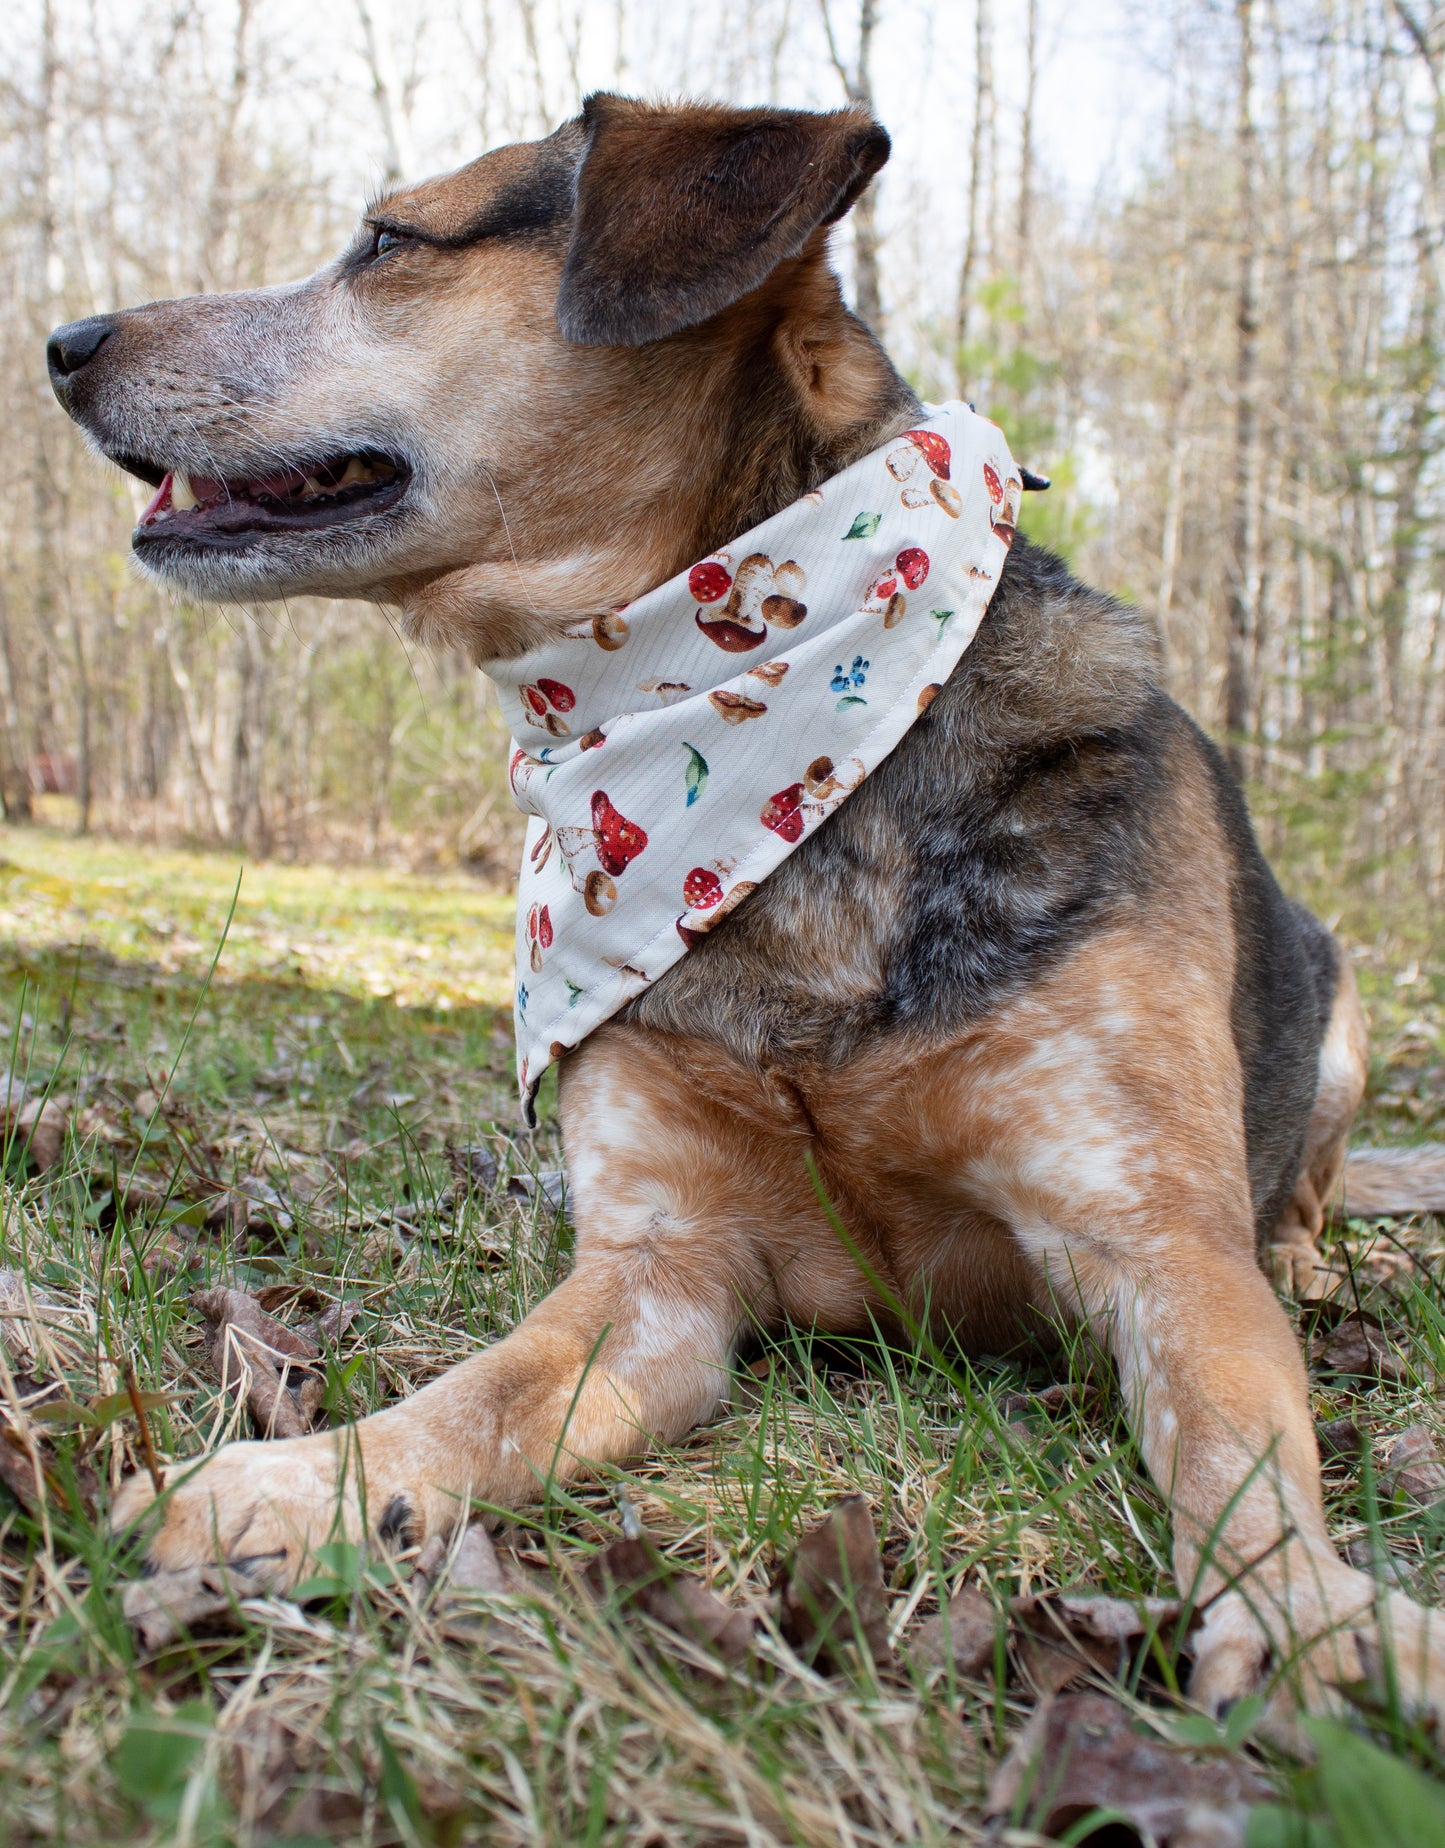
(1030, 998)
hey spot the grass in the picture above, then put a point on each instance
(354, 1032)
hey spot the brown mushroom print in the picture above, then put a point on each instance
(735, 708)
(599, 894)
(769, 672)
(609, 630)
(760, 593)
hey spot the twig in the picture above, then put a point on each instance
(148, 1449)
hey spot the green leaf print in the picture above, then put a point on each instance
(864, 526)
(695, 775)
(941, 617)
(574, 993)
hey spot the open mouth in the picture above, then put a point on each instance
(221, 512)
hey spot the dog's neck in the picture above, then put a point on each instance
(736, 419)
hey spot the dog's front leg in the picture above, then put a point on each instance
(633, 1347)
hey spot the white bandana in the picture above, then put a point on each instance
(673, 752)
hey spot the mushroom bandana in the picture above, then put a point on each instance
(673, 752)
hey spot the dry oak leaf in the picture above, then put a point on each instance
(472, 1566)
(1081, 1753)
(1414, 1468)
(169, 1605)
(268, 1363)
(634, 1572)
(963, 1635)
(1059, 1638)
(43, 1122)
(1358, 1345)
(833, 1589)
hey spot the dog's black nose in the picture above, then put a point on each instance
(76, 344)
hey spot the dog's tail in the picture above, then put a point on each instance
(1393, 1182)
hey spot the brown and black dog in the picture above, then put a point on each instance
(1031, 998)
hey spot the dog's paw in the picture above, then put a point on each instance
(277, 1502)
(1307, 1643)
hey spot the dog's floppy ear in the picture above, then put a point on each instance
(681, 211)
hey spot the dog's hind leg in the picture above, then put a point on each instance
(685, 1208)
(1343, 1066)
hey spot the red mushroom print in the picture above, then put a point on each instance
(992, 483)
(539, 936)
(563, 698)
(709, 581)
(783, 813)
(912, 563)
(702, 889)
(619, 841)
(934, 450)
(534, 698)
(692, 928)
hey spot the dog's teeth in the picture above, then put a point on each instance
(356, 470)
(311, 485)
(182, 499)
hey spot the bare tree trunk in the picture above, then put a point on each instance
(390, 110)
(858, 87)
(1245, 565)
(1024, 227)
(982, 132)
(14, 773)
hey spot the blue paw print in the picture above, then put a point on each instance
(847, 682)
(522, 1000)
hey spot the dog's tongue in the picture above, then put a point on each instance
(158, 502)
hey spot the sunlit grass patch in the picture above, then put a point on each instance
(283, 1131)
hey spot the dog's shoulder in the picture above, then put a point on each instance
(1015, 815)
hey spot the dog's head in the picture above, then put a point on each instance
(528, 390)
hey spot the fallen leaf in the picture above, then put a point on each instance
(634, 1572)
(474, 1566)
(1359, 1346)
(1340, 1437)
(1017, 1405)
(474, 1166)
(43, 1121)
(962, 1635)
(1414, 1468)
(19, 1454)
(1081, 1753)
(171, 1604)
(255, 1356)
(1062, 1637)
(833, 1591)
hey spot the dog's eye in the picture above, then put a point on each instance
(385, 241)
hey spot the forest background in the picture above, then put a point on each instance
(1191, 258)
